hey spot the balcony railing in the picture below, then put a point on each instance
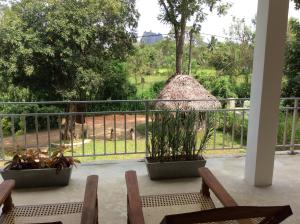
(121, 127)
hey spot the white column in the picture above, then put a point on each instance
(272, 19)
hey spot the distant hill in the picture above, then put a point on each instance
(151, 38)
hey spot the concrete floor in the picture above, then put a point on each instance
(112, 192)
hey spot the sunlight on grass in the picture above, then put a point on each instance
(137, 148)
(144, 88)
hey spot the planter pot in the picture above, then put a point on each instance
(38, 177)
(176, 169)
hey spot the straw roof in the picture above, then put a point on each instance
(186, 87)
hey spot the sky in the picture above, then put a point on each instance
(149, 10)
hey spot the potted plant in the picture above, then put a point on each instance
(33, 168)
(175, 150)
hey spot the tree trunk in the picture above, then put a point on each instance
(180, 46)
(68, 123)
(190, 53)
(178, 61)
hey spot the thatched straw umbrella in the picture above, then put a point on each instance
(185, 87)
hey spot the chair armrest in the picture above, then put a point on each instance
(6, 188)
(271, 215)
(209, 181)
(90, 203)
(134, 202)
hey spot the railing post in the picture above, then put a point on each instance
(13, 134)
(294, 127)
(2, 140)
(146, 127)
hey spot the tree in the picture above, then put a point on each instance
(179, 13)
(67, 50)
(297, 4)
(212, 43)
(241, 32)
(292, 60)
(144, 61)
(242, 37)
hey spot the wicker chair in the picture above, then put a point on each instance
(196, 207)
(85, 212)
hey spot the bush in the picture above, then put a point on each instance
(206, 78)
(280, 132)
(243, 90)
(19, 124)
(115, 83)
(173, 136)
(219, 86)
(223, 88)
(234, 122)
(157, 87)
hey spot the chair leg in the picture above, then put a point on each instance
(128, 221)
(97, 217)
(8, 204)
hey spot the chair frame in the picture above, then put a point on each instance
(230, 211)
(90, 203)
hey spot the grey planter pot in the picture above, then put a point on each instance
(177, 169)
(38, 177)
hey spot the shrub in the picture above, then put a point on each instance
(35, 159)
(19, 124)
(157, 87)
(173, 136)
(243, 90)
(223, 88)
(289, 124)
(219, 86)
(234, 121)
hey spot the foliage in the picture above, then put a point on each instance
(115, 83)
(179, 13)
(66, 50)
(147, 60)
(157, 87)
(234, 123)
(19, 122)
(235, 56)
(173, 136)
(292, 60)
(231, 59)
(222, 58)
(243, 90)
(144, 61)
(297, 4)
(219, 86)
(287, 119)
(241, 32)
(223, 88)
(36, 159)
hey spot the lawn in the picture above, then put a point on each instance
(118, 147)
(143, 89)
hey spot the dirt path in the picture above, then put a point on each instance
(111, 121)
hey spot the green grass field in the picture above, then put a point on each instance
(143, 89)
(137, 148)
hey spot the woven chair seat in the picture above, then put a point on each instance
(67, 213)
(196, 207)
(155, 207)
